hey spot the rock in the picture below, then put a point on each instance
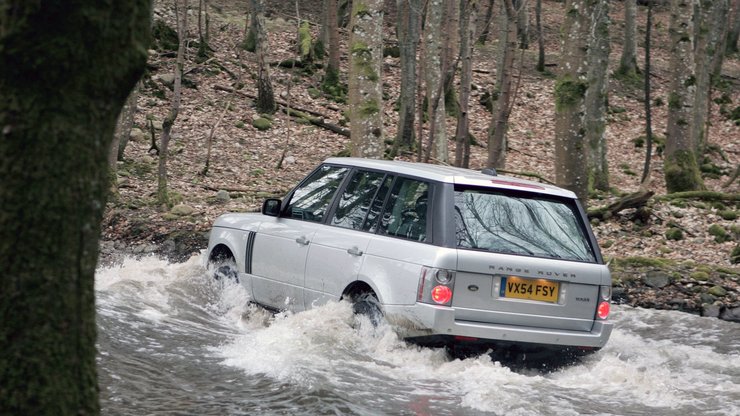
(223, 196)
(700, 275)
(167, 79)
(147, 159)
(707, 298)
(730, 314)
(289, 160)
(657, 279)
(182, 210)
(717, 291)
(262, 124)
(710, 310)
(619, 295)
(137, 135)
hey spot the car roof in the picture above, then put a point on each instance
(451, 174)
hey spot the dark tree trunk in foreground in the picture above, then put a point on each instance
(66, 71)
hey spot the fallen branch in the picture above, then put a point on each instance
(316, 121)
(634, 200)
(527, 174)
(279, 102)
(243, 190)
(701, 195)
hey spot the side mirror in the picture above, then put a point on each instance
(271, 207)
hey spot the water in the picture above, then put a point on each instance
(172, 341)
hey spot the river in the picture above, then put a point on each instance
(171, 341)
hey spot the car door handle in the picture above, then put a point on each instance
(354, 251)
(302, 240)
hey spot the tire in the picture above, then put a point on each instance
(367, 304)
(225, 270)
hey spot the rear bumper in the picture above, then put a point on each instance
(423, 320)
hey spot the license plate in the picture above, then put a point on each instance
(530, 289)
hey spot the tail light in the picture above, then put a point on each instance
(435, 286)
(605, 294)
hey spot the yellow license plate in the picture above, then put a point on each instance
(530, 289)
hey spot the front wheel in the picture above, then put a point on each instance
(224, 270)
(367, 304)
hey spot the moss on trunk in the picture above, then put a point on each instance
(65, 74)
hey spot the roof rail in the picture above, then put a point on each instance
(489, 171)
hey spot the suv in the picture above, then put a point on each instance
(450, 257)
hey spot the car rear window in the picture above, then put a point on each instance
(520, 223)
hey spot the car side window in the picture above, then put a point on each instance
(406, 211)
(312, 198)
(356, 199)
(371, 222)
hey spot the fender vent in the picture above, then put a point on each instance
(248, 254)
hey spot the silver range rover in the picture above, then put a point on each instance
(450, 257)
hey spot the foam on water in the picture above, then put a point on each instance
(656, 363)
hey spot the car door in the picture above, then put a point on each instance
(282, 244)
(338, 249)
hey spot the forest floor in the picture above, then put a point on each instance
(244, 161)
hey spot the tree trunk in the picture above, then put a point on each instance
(570, 92)
(628, 61)
(681, 169)
(486, 23)
(62, 87)
(451, 51)
(500, 120)
(181, 12)
(365, 84)
(648, 111)
(434, 72)
(522, 31)
(734, 28)
(123, 128)
(596, 96)
(408, 41)
(331, 84)
(540, 37)
(709, 34)
(265, 96)
(467, 39)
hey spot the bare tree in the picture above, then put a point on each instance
(365, 85)
(407, 27)
(499, 127)
(734, 28)
(680, 168)
(570, 91)
(467, 39)
(434, 74)
(628, 61)
(648, 111)
(486, 23)
(540, 37)
(709, 36)
(594, 119)
(181, 13)
(56, 127)
(265, 97)
(124, 125)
